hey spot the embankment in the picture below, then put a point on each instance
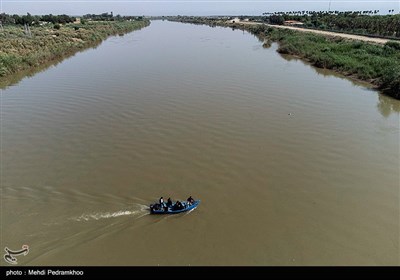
(20, 52)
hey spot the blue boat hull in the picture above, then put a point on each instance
(171, 210)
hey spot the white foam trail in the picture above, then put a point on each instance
(107, 215)
(188, 212)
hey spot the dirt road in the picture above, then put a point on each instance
(327, 33)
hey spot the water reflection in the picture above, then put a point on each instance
(17, 77)
(327, 72)
(388, 105)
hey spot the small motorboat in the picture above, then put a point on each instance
(178, 207)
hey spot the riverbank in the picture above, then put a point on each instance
(376, 64)
(355, 37)
(21, 52)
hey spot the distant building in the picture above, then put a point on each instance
(235, 20)
(293, 23)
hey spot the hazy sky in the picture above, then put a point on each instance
(188, 7)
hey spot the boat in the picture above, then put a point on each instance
(173, 209)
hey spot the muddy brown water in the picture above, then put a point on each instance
(292, 166)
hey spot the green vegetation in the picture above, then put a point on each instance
(366, 23)
(376, 64)
(379, 65)
(34, 20)
(359, 22)
(21, 50)
(109, 17)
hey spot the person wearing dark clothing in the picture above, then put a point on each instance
(190, 200)
(169, 202)
(178, 205)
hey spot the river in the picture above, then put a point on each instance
(293, 166)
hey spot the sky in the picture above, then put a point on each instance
(189, 7)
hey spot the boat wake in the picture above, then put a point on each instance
(142, 211)
(188, 212)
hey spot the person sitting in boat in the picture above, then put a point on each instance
(169, 202)
(161, 201)
(190, 200)
(154, 206)
(178, 205)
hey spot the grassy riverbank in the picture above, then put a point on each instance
(19, 51)
(376, 64)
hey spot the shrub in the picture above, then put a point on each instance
(393, 45)
(390, 81)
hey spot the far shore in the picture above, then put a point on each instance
(326, 33)
(374, 61)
